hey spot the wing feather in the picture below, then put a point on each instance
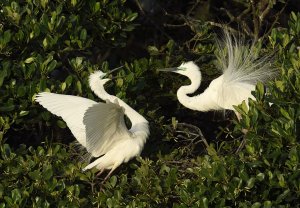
(105, 126)
(70, 108)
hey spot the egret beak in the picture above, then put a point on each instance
(115, 69)
(173, 69)
(111, 71)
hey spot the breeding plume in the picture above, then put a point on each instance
(241, 68)
(100, 127)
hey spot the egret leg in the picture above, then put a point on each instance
(111, 171)
(100, 172)
(108, 175)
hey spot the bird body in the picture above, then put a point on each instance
(122, 152)
(242, 69)
(100, 127)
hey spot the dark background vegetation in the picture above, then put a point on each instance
(191, 159)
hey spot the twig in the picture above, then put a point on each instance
(241, 146)
(199, 133)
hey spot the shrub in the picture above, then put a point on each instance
(52, 46)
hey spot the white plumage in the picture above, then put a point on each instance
(100, 127)
(242, 69)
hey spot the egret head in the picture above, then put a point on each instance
(189, 69)
(99, 76)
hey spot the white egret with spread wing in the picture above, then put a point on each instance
(242, 69)
(100, 127)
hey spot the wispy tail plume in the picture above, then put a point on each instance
(240, 62)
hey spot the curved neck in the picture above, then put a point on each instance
(200, 102)
(182, 92)
(96, 85)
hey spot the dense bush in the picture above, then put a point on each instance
(56, 40)
(54, 45)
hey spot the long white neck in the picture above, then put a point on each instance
(139, 123)
(201, 102)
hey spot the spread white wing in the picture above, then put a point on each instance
(70, 108)
(105, 127)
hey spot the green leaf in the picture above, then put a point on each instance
(34, 175)
(283, 196)
(280, 85)
(294, 16)
(97, 7)
(73, 2)
(261, 90)
(24, 113)
(113, 181)
(21, 91)
(131, 17)
(244, 107)
(260, 176)
(42, 85)
(174, 122)
(69, 80)
(7, 108)
(83, 34)
(61, 124)
(7, 36)
(267, 204)
(51, 66)
(250, 183)
(285, 113)
(79, 87)
(153, 50)
(44, 3)
(170, 44)
(63, 86)
(1, 189)
(281, 180)
(256, 205)
(120, 82)
(48, 173)
(45, 42)
(29, 60)
(211, 151)
(204, 201)
(16, 195)
(109, 203)
(3, 74)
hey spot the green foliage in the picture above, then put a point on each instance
(42, 39)
(54, 45)
(39, 177)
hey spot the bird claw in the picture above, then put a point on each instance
(106, 177)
